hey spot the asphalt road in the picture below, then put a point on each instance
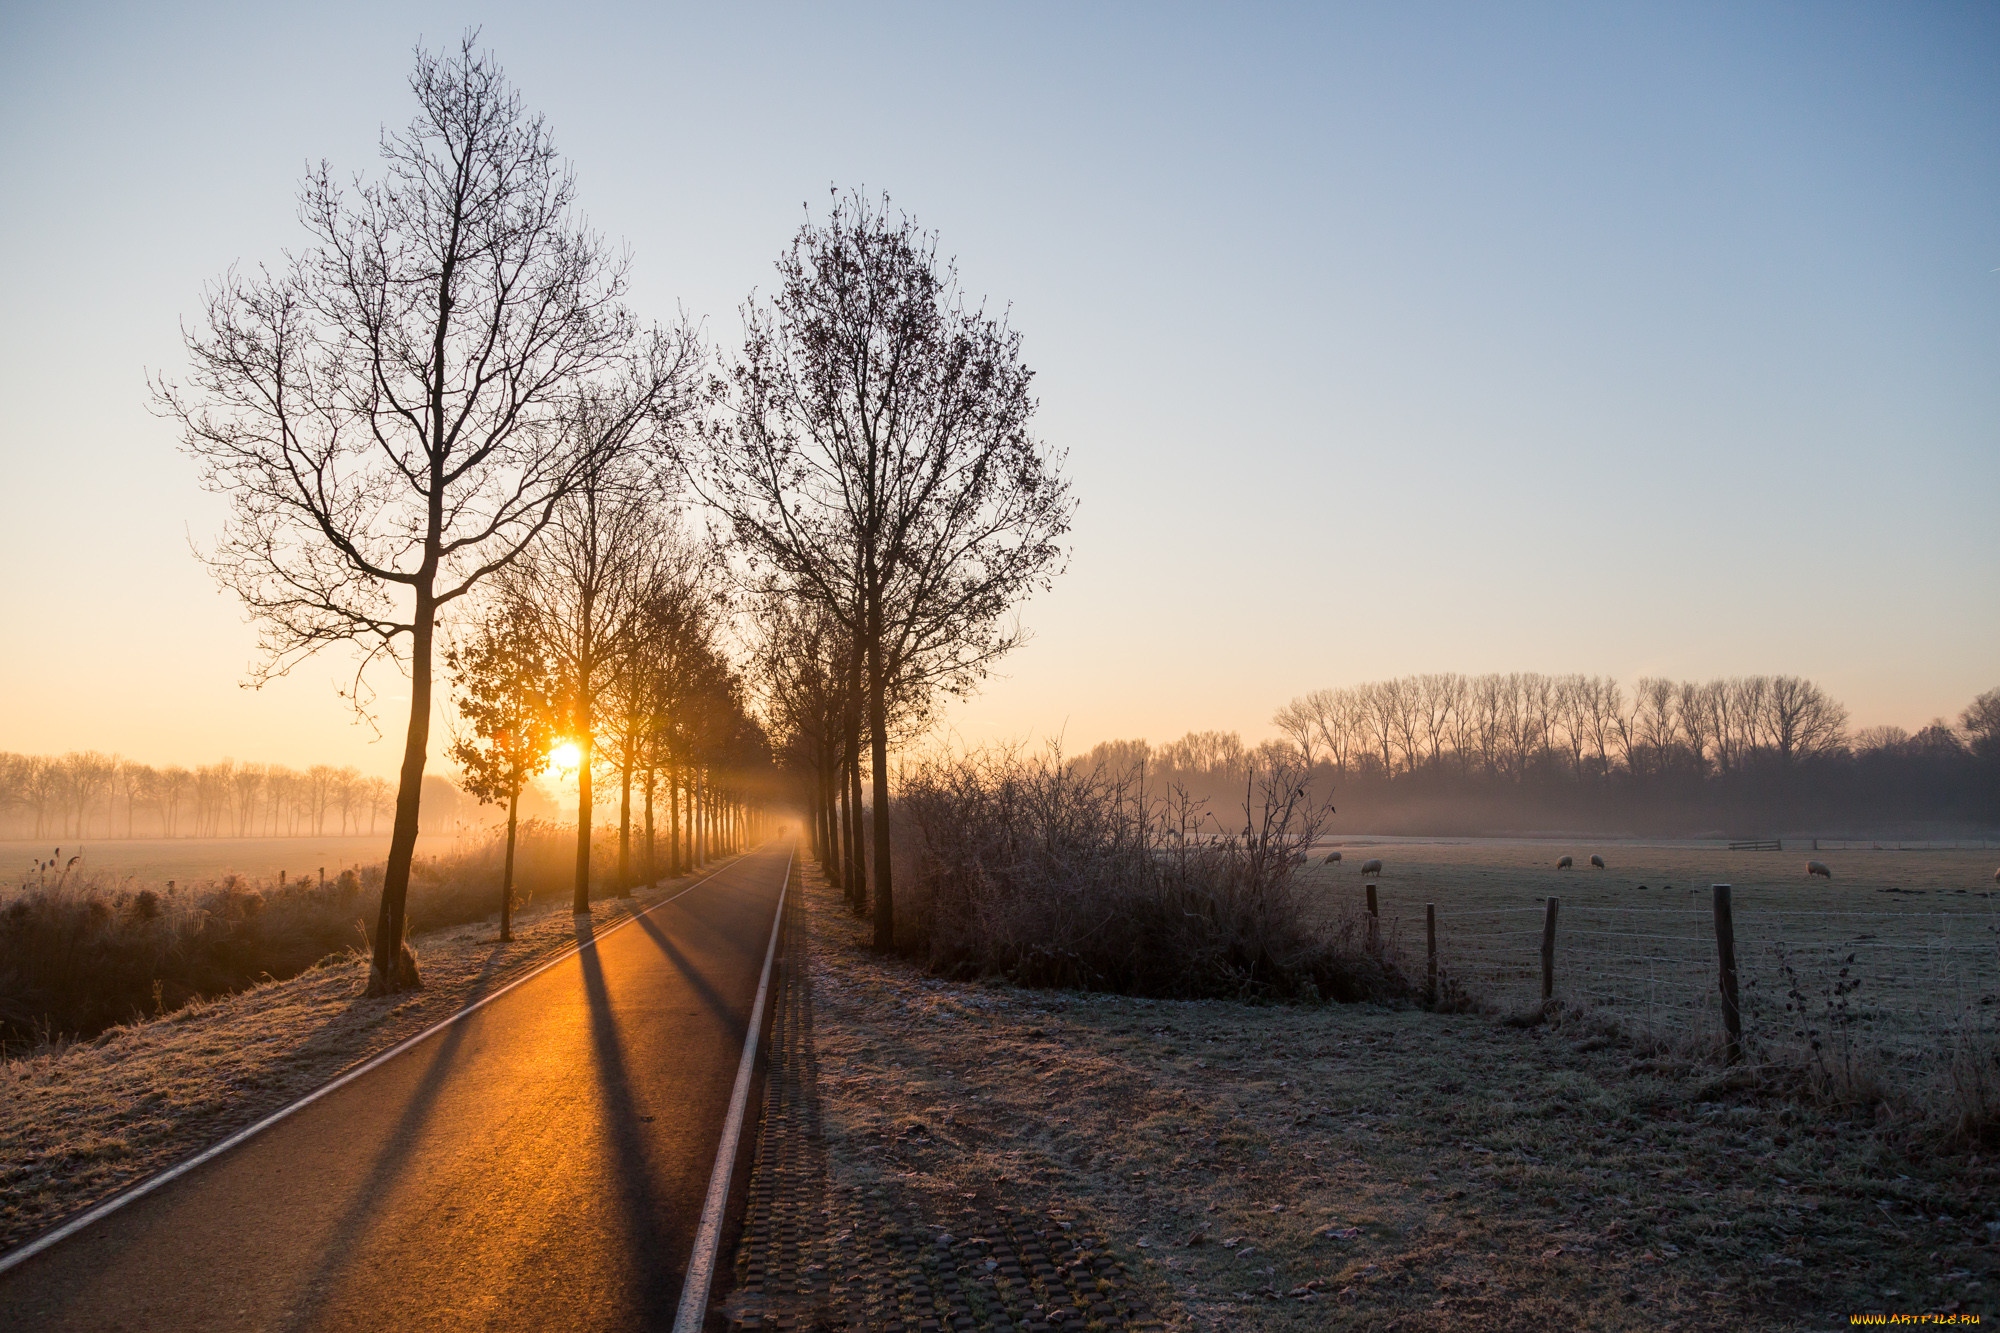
(539, 1164)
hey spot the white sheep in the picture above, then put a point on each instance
(1818, 868)
(1331, 857)
(1597, 861)
(1564, 864)
(1371, 867)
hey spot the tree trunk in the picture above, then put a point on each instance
(878, 742)
(507, 870)
(828, 840)
(625, 815)
(857, 851)
(842, 832)
(394, 968)
(815, 797)
(652, 870)
(676, 865)
(580, 899)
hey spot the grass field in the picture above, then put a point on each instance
(151, 862)
(1898, 952)
(1364, 1167)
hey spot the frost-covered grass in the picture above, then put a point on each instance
(1358, 1166)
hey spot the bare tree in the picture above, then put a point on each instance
(1691, 707)
(381, 801)
(1749, 697)
(1300, 720)
(581, 587)
(385, 413)
(668, 645)
(1572, 710)
(1981, 723)
(245, 785)
(1440, 695)
(882, 465)
(1804, 719)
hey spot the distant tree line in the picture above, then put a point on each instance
(85, 794)
(1458, 753)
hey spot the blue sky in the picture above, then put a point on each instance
(1638, 339)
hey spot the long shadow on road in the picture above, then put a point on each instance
(655, 1285)
(363, 1211)
(696, 981)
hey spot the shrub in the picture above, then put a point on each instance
(1051, 876)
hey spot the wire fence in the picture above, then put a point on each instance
(1887, 979)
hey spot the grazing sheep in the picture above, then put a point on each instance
(1372, 867)
(1818, 868)
(1597, 861)
(1564, 864)
(1331, 857)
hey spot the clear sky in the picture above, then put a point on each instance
(1624, 339)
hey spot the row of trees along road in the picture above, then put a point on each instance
(878, 472)
(607, 635)
(440, 412)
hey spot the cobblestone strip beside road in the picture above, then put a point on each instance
(819, 1253)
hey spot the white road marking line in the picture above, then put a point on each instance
(708, 1237)
(151, 1183)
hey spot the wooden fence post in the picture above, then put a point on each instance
(1549, 949)
(1431, 951)
(1374, 919)
(1725, 950)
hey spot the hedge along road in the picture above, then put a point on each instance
(542, 1162)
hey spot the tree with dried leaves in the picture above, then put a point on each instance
(506, 696)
